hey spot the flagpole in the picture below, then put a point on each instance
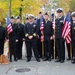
(42, 40)
(10, 8)
(71, 50)
(8, 34)
(43, 49)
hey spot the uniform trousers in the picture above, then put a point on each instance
(47, 45)
(1, 46)
(19, 49)
(73, 47)
(60, 48)
(32, 44)
(12, 46)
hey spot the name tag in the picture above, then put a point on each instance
(61, 20)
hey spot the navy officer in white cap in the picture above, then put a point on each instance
(31, 31)
(60, 46)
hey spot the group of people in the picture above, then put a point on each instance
(33, 31)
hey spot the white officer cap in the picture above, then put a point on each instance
(73, 14)
(59, 10)
(30, 16)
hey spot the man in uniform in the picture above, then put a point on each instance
(13, 39)
(48, 33)
(73, 35)
(59, 22)
(39, 43)
(31, 31)
(21, 36)
(2, 38)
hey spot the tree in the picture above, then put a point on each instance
(65, 4)
(72, 5)
(20, 7)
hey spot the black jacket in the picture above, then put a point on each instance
(20, 31)
(48, 30)
(14, 35)
(73, 30)
(59, 22)
(30, 30)
(2, 33)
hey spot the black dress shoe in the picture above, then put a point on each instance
(20, 58)
(45, 59)
(40, 56)
(52, 57)
(29, 59)
(68, 59)
(15, 60)
(37, 59)
(49, 59)
(10, 60)
(73, 61)
(57, 60)
(62, 61)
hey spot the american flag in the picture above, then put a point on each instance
(42, 28)
(8, 25)
(67, 28)
(53, 23)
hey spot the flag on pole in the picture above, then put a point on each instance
(8, 25)
(52, 17)
(67, 28)
(41, 24)
(42, 28)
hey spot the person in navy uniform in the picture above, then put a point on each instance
(39, 43)
(48, 33)
(73, 36)
(13, 39)
(31, 30)
(21, 37)
(59, 23)
(2, 38)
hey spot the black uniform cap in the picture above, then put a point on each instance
(18, 17)
(46, 13)
(40, 12)
(59, 10)
(35, 19)
(27, 18)
(73, 14)
(12, 17)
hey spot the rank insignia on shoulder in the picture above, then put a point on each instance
(61, 20)
(26, 35)
(34, 34)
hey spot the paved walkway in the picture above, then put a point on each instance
(37, 68)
